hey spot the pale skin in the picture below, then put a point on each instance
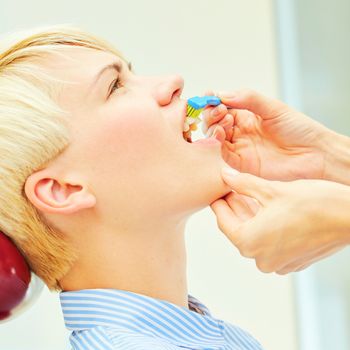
(289, 224)
(124, 188)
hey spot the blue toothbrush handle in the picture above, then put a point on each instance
(200, 102)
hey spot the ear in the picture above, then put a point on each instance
(56, 196)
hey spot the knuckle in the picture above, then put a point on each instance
(222, 226)
(227, 120)
(269, 193)
(246, 253)
(248, 93)
(264, 266)
(245, 249)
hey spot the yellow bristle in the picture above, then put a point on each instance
(192, 112)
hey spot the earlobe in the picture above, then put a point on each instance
(50, 195)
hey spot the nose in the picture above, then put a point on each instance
(165, 88)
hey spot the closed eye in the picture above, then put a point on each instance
(116, 84)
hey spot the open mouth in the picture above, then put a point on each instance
(190, 125)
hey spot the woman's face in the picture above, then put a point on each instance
(127, 140)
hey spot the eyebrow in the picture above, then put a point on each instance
(117, 66)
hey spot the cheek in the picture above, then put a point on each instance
(128, 158)
(131, 137)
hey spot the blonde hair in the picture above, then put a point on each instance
(33, 131)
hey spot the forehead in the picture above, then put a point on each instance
(76, 63)
(76, 67)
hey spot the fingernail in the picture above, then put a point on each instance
(228, 171)
(216, 111)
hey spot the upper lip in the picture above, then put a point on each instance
(183, 113)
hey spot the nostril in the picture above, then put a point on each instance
(168, 88)
(176, 93)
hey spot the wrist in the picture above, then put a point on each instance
(336, 148)
(329, 206)
(341, 214)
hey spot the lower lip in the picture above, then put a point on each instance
(208, 141)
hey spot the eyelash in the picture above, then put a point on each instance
(117, 83)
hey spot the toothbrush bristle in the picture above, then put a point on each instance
(192, 112)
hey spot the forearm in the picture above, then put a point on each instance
(337, 160)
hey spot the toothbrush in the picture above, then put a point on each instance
(195, 106)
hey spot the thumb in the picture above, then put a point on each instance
(265, 107)
(249, 185)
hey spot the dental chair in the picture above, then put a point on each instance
(19, 287)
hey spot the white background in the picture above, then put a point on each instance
(315, 56)
(222, 45)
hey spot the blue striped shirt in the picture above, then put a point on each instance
(110, 319)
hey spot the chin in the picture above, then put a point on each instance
(209, 185)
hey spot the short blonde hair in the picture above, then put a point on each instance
(33, 131)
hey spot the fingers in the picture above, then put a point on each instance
(219, 133)
(246, 184)
(234, 216)
(241, 205)
(212, 115)
(226, 123)
(267, 108)
(227, 220)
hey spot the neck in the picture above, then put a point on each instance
(151, 263)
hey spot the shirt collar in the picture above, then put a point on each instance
(130, 311)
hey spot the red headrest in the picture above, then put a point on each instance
(15, 277)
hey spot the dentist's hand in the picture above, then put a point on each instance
(284, 226)
(265, 137)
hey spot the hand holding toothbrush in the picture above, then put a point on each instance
(267, 138)
(284, 225)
